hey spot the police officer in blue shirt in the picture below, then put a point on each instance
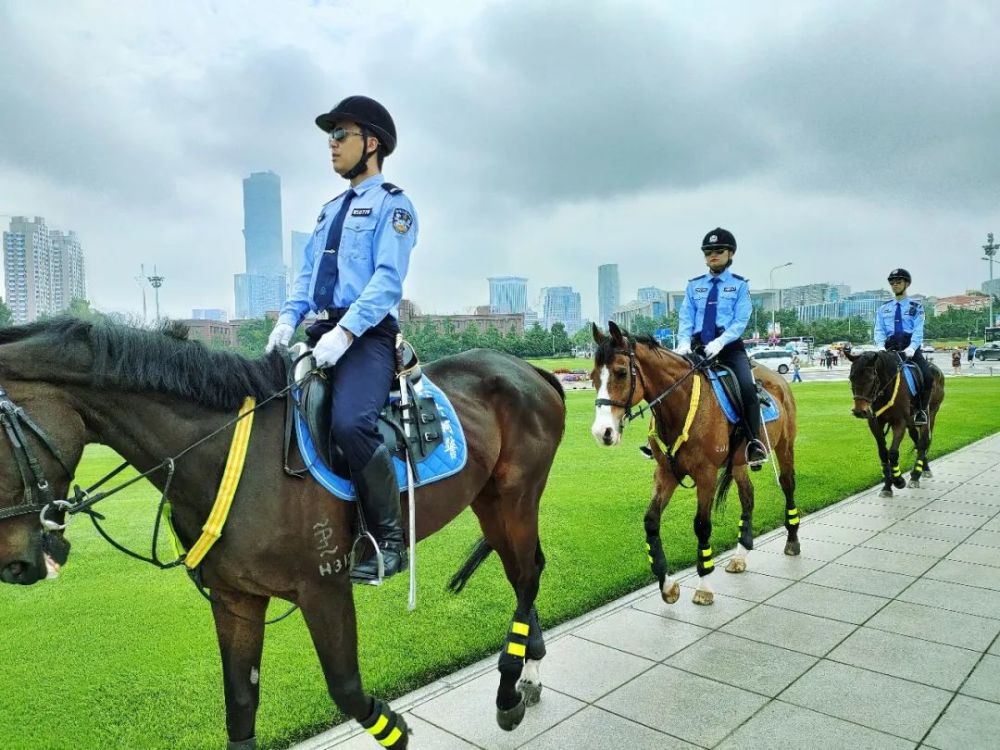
(899, 327)
(715, 311)
(352, 277)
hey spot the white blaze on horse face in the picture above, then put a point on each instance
(604, 420)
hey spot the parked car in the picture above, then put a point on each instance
(988, 351)
(776, 359)
(927, 348)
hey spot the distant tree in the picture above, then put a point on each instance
(560, 339)
(537, 342)
(470, 338)
(6, 317)
(251, 338)
(492, 339)
(80, 308)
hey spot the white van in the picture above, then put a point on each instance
(776, 359)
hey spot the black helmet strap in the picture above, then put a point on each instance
(362, 164)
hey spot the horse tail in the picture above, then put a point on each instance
(480, 551)
(553, 381)
(725, 478)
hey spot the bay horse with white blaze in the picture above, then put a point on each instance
(882, 397)
(153, 395)
(690, 437)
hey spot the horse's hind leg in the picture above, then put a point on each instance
(664, 484)
(329, 615)
(239, 625)
(738, 562)
(786, 478)
(703, 530)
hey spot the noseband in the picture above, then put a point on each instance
(877, 390)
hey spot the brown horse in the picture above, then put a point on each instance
(881, 396)
(149, 395)
(692, 438)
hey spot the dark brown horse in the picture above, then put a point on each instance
(629, 370)
(882, 397)
(149, 395)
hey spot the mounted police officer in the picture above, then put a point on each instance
(715, 311)
(352, 277)
(899, 327)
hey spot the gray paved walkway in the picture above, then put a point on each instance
(883, 634)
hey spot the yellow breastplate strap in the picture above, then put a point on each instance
(892, 399)
(688, 420)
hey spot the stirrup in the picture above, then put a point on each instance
(379, 560)
(755, 465)
(920, 418)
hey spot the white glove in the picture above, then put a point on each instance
(713, 347)
(331, 347)
(880, 348)
(683, 349)
(909, 352)
(280, 336)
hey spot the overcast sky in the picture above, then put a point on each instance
(539, 139)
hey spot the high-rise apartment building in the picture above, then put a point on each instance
(561, 305)
(508, 294)
(299, 241)
(263, 287)
(258, 295)
(608, 297)
(209, 313)
(44, 269)
(652, 294)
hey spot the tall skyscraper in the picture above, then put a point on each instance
(44, 270)
(561, 305)
(264, 285)
(508, 294)
(299, 240)
(607, 292)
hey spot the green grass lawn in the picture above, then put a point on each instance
(117, 654)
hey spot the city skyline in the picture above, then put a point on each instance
(44, 269)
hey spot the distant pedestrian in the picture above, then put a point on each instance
(956, 361)
(972, 355)
(829, 359)
(796, 364)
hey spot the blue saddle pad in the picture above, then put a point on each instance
(448, 458)
(911, 378)
(770, 412)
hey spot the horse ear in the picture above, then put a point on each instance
(616, 332)
(598, 334)
(850, 355)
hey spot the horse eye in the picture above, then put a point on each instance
(620, 373)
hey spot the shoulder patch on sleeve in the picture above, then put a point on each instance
(402, 220)
(391, 189)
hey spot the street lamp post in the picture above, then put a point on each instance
(990, 248)
(775, 305)
(156, 281)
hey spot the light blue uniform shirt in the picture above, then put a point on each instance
(733, 312)
(913, 322)
(380, 231)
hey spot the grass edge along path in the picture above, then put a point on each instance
(118, 654)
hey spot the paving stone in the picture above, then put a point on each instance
(782, 725)
(754, 587)
(684, 705)
(992, 525)
(724, 609)
(586, 670)
(975, 553)
(962, 520)
(423, 735)
(746, 664)
(914, 545)
(970, 574)
(593, 727)
(812, 549)
(468, 712)
(870, 558)
(984, 682)
(957, 506)
(641, 633)
(791, 630)
(985, 538)
(825, 532)
(965, 493)
(933, 624)
(954, 596)
(856, 521)
(879, 510)
(846, 578)
(826, 602)
(874, 700)
(934, 664)
(968, 723)
(921, 530)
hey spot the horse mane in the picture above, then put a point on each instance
(606, 350)
(164, 361)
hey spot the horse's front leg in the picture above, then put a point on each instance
(703, 530)
(329, 615)
(664, 484)
(883, 454)
(738, 562)
(898, 431)
(239, 624)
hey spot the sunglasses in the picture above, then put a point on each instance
(714, 250)
(897, 281)
(340, 134)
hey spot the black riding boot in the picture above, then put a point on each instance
(920, 413)
(379, 497)
(756, 451)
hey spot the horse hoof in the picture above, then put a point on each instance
(914, 484)
(792, 549)
(927, 473)
(885, 493)
(703, 597)
(672, 594)
(736, 565)
(899, 483)
(532, 692)
(508, 719)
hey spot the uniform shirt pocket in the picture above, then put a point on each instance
(358, 238)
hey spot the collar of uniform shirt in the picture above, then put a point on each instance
(366, 185)
(726, 275)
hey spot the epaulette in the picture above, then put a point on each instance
(697, 277)
(741, 278)
(391, 189)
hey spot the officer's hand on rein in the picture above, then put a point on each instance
(280, 336)
(331, 347)
(683, 349)
(909, 352)
(713, 347)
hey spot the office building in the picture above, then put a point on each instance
(43, 269)
(256, 295)
(508, 294)
(608, 297)
(262, 224)
(209, 313)
(561, 305)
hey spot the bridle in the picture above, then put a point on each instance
(877, 389)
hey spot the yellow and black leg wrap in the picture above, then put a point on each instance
(791, 517)
(657, 560)
(746, 532)
(386, 726)
(705, 562)
(515, 648)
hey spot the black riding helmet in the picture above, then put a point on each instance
(900, 273)
(373, 119)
